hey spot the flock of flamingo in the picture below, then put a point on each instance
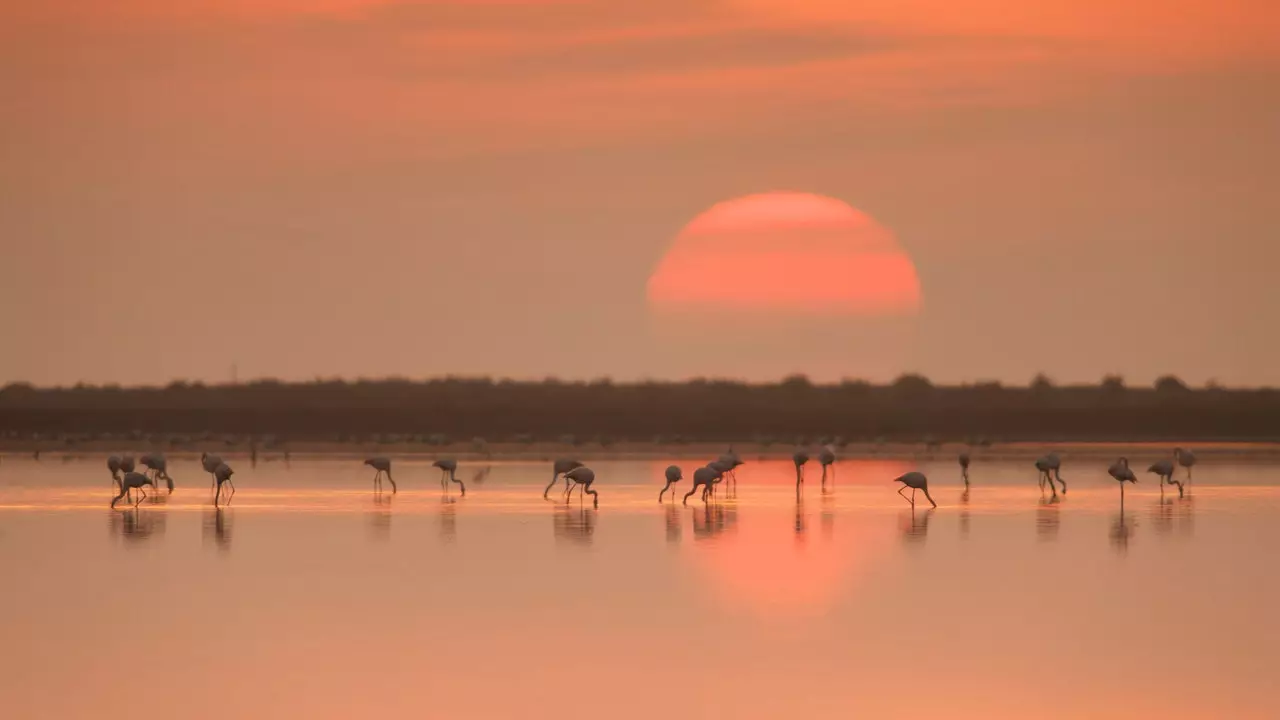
(127, 479)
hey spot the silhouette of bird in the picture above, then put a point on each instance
(827, 457)
(1186, 459)
(1121, 472)
(799, 457)
(158, 466)
(383, 466)
(721, 468)
(560, 467)
(133, 481)
(964, 468)
(729, 463)
(1165, 469)
(126, 464)
(705, 476)
(674, 475)
(449, 472)
(582, 477)
(915, 481)
(210, 464)
(113, 464)
(1050, 467)
(222, 474)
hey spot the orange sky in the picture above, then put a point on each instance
(278, 173)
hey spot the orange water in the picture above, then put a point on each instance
(312, 597)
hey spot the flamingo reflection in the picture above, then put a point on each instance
(916, 525)
(1121, 531)
(1048, 518)
(448, 518)
(135, 525)
(964, 512)
(674, 526)
(575, 525)
(217, 528)
(379, 517)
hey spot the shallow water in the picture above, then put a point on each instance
(312, 597)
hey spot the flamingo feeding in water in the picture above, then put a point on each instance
(915, 481)
(113, 464)
(1164, 469)
(560, 467)
(383, 466)
(222, 474)
(1050, 467)
(158, 466)
(799, 457)
(706, 476)
(210, 464)
(674, 475)
(449, 472)
(964, 468)
(1121, 472)
(133, 481)
(827, 458)
(729, 463)
(1186, 459)
(582, 477)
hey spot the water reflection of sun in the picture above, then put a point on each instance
(789, 558)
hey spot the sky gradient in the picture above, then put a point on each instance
(357, 188)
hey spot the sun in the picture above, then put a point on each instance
(786, 252)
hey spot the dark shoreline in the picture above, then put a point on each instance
(603, 414)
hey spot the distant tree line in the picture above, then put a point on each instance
(909, 409)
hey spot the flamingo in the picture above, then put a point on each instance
(1121, 472)
(449, 471)
(113, 464)
(827, 457)
(158, 466)
(210, 464)
(964, 468)
(583, 477)
(382, 465)
(1164, 468)
(729, 462)
(706, 476)
(915, 481)
(674, 475)
(1050, 467)
(721, 468)
(560, 467)
(222, 474)
(133, 481)
(1186, 459)
(799, 457)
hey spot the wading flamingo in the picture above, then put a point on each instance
(449, 472)
(560, 467)
(1121, 472)
(706, 476)
(915, 481)
(827, 458)
(582, 477)
(210, 464)
(133, 481)
(222, 474)
(158, 466)
(383, 466)
(674, 475)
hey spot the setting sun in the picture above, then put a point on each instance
(790, 252)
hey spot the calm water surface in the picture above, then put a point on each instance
(311, 597)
